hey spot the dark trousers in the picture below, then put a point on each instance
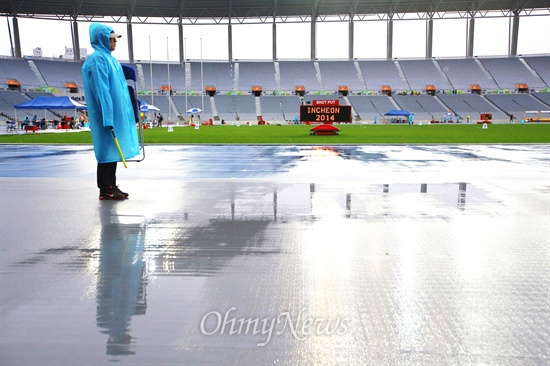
(106, 175)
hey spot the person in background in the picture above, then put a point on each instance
(26, 122)
(109, 110)
(160, 118)
(83, 119)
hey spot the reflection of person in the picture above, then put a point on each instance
(109, 110)
(121, 280)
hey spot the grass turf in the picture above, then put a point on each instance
(299, 134)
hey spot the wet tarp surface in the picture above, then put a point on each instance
(266, 255)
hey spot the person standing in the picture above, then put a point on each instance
(26, 122)
(109, 110)
(160, 118)
(83, 119)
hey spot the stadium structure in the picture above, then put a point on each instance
(507, 87)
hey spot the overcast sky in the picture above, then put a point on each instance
(253, 41)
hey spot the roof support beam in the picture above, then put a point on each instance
(470, 37)
(180, 33)
(130, 40)
(389, 39)
(76, 41)
(314, 13)
(351, 33)
(12, 51)
(513, 48)
(274, 31)
(129, 15)
(16, 37)
(230, 33)
(351, 30)
(181, 41)
(429, 37)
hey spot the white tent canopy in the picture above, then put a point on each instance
(148, 108)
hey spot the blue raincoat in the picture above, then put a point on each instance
(108, 100)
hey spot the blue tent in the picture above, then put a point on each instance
(50, 103)
(398, 112)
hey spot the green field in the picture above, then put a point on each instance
(299, 134)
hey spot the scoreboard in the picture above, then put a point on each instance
(325, 111)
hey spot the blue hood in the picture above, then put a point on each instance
(99, 37)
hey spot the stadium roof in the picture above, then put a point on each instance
(264, 10)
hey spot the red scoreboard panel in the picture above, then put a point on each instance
(325, 111)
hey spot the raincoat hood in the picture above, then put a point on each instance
(100, 37)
